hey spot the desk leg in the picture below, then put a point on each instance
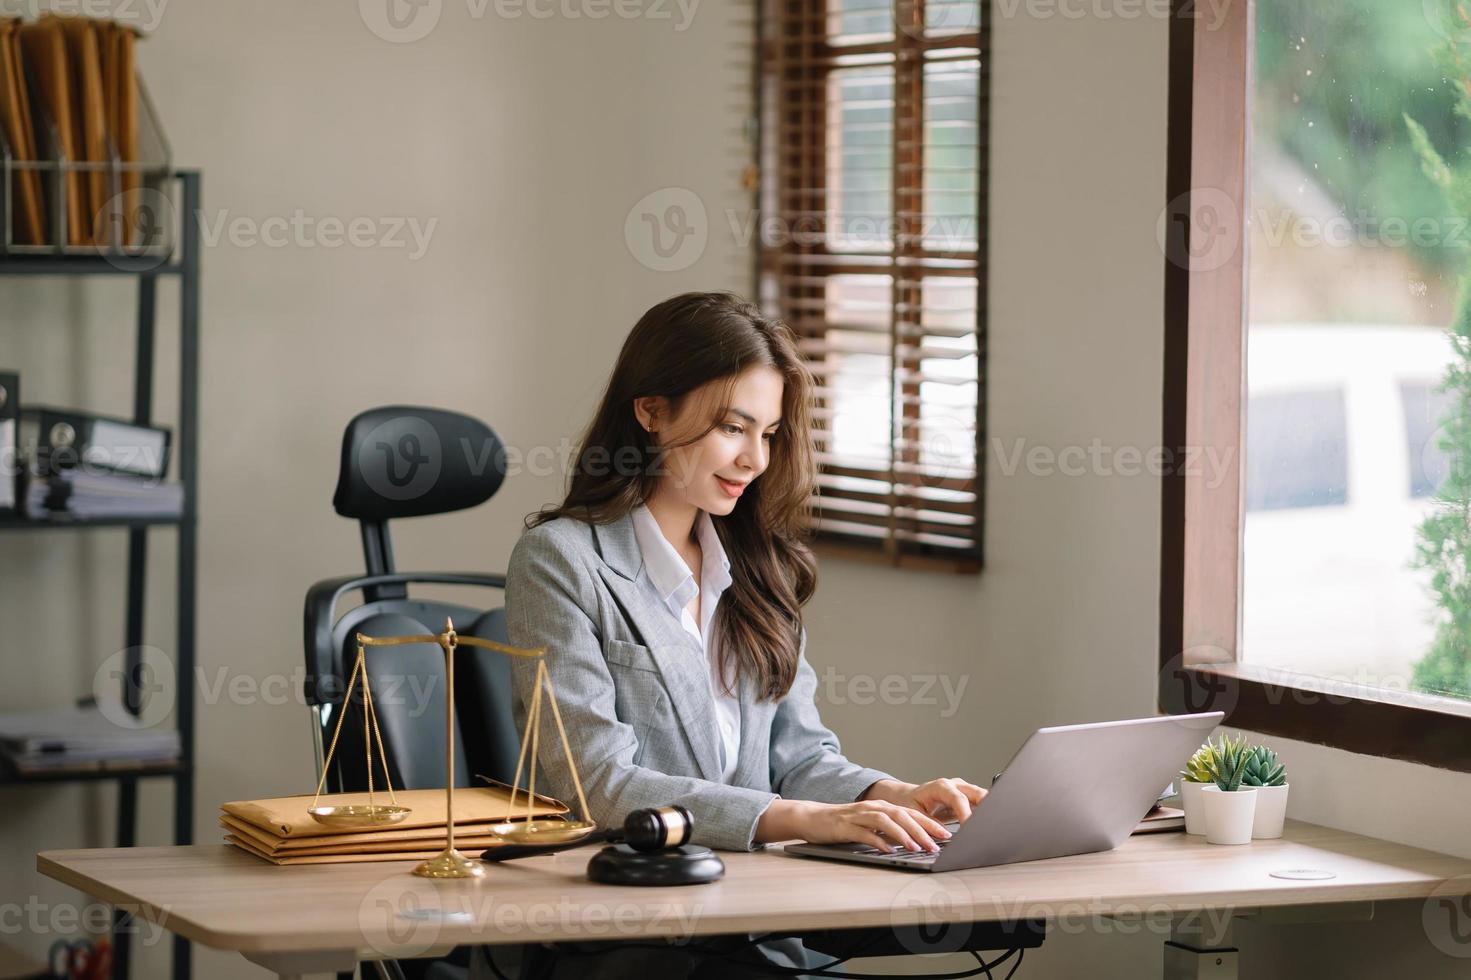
(294, 966)
(1200, 947)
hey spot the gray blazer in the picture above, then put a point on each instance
(633, 688)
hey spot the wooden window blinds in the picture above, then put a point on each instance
(873, 203)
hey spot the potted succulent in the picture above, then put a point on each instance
(1267, 773)
(1198, 773)
(1229, 806)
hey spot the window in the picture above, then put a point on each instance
(1314, 247)
(873, 196)
(1298, 450)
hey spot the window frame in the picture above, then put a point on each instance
(1205, 325)
(785, 27)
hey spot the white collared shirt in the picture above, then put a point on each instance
(673, 582)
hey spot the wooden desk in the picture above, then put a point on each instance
(324, 918)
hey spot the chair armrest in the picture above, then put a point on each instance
(320, 614)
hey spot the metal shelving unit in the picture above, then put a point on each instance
(148, 270)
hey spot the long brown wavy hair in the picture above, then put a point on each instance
(676, 347)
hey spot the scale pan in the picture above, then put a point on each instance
(548, 831)
(359, 815)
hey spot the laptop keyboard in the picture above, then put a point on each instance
(903, 852)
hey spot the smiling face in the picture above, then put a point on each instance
(713, 471)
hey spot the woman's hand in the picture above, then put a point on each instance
(944, 798)
(877, 822)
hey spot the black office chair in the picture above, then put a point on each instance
(402, 461)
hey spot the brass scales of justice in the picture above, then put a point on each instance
(451, 863)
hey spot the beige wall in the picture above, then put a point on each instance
(528, 141)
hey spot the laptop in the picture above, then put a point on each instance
(1072, 789)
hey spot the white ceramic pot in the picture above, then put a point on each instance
(1194, 809)
(1228, 816)
(1271, 810)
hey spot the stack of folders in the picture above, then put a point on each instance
(86, 101)
(84, 496)
(86, 467)
(81, 739)
(283, 832)
(9, 454)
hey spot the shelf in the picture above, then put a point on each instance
(86, 265)
(9, 777)
(145, 271)
(9, 523)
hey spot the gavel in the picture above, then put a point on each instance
(648, 830)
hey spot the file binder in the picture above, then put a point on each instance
(9, 455)
(91, 121)
(29, 225)
(54, 439)
(45, 53)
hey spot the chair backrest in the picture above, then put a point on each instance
(404, 461)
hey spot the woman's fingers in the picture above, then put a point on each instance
(934, 827)
(888, 825)
(955, 799)
(956, 795)
(872, 839)
(917, 825)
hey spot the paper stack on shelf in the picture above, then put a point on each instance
(283, 832)
(81, 738)
(85, 495)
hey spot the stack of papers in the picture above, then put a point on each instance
(283, 832)
(86, 495)
(81, 738)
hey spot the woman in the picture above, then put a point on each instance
(668, 588)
